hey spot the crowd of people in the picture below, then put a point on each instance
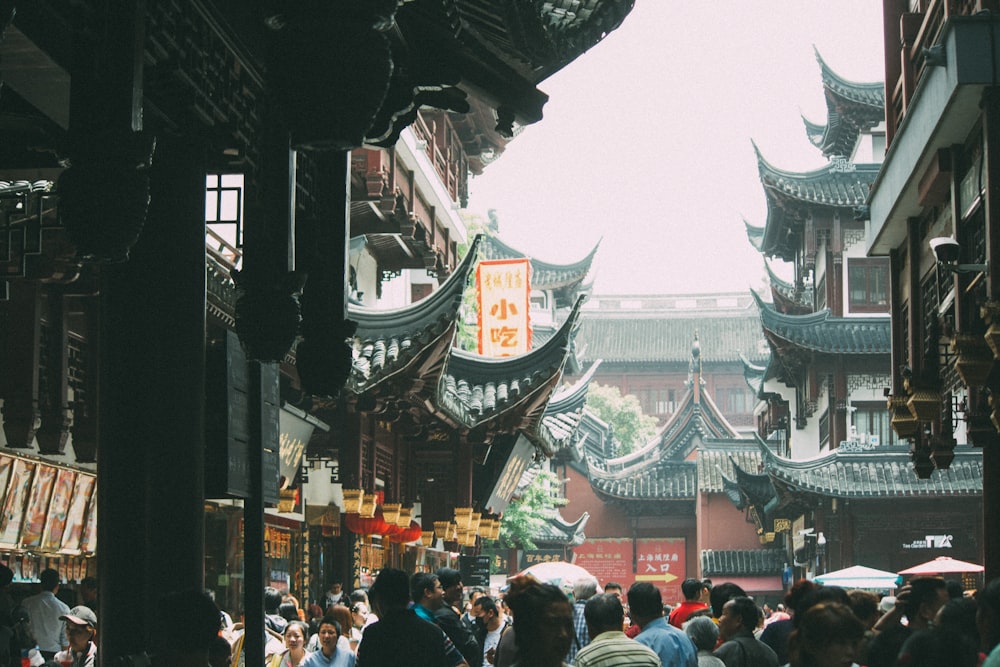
(432, 619)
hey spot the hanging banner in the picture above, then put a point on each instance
(502, 290)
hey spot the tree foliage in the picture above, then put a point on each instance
(632, 428)
(526, 514)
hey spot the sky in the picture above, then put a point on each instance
(646, 146)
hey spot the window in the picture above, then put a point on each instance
(871, 423)
(868, 285)
(224, 217)
(824, 431)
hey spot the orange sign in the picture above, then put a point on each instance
(502, 290)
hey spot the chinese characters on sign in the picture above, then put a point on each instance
(502, 291)
(661, 562)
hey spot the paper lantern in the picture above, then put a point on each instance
(356, 523)
(441, 529)
(405, 517)
(462, 517)
(411, 534)
(427, 538)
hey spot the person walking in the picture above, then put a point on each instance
(491, 624)
(645, 603)
(704, 634)
(609, 647)
(45, 609)
(329, 653)
(693, 590)
(448, 618)
(295, 646)
(739, 647)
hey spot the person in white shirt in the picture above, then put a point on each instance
(44, 610)
(491, 623)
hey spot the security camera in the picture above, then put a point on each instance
(945, 249)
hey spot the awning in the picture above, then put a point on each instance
(860, 576)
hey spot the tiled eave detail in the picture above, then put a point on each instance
(674, 480)
(852, 108)
(716, 461)
(882, 472)
(793, 196)
(475, 390)
(742, 562)
(755, 235)
(560, 424)
(386, 342)
(823, 333)
(555, 531)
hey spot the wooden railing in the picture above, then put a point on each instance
(221, 252)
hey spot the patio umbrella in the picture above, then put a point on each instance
(860, 576)
(942, 565)
(559, 573)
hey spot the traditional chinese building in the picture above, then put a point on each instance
(642, 342)
(156, 100)
(933, 217)
(831, 456)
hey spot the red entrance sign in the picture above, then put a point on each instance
(660, 561)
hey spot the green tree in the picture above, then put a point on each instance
(526, 514)
(632, 427)
(466, 336)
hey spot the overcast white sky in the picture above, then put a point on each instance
(646, 139)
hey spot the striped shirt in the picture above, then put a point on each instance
(614, 649)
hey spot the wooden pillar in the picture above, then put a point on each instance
(151, 418)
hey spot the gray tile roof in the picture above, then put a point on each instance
(742, 562)
(665, 480)
(474, 390)
(876, 473)
(388, 341)
(715, 462)
(724, 335)
(556, 531)
(822, 332)
(564, 280)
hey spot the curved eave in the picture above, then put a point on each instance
(882, 472)
(475, 389)
(821, 332)
(852, 108)
(388, 341)
(376, 323)
(556, 531)
(575, 396)
(544, 275)
(755, 235)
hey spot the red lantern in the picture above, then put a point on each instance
(407, 535)
(362, 526)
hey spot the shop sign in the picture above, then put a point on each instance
(294, 435)
(499, 562)
(503, 289)
(608, 559)
(520, 457)
(930, 542)
(531, 557)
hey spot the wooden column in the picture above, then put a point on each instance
(151, 415)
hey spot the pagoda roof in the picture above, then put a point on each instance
(756, 374)
(475, 390)
(823, 333)
(742, 562)
(852, 108)
(659, 469)
(792, 195)
(387, 342)
(634, 339)
(565, 280)
(555, 531)
(878, 472)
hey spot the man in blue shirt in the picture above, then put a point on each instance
(646, 608)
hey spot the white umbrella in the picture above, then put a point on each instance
(559, 573)
(942, 565)
(860, 576)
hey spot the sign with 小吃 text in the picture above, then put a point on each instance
(503, 287)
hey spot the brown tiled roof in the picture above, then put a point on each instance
(724, 336)
(742, 562)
